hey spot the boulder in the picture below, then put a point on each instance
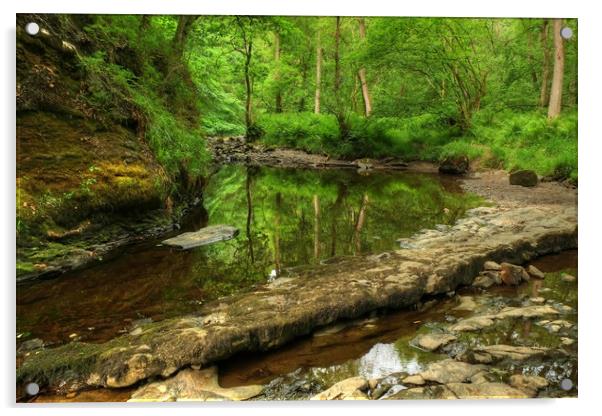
(483, 281)
(415, 379)
(451, 371)
(526, 178)
(492, 265)
(528, 384)
(193, 385)
(513, 275)
(454, 165)
(535, 272)
(349, 389)
(486, 391)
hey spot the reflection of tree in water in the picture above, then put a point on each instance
(300, 217)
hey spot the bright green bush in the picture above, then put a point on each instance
(314, 133)
(530, 141)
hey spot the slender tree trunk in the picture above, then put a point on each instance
(545, 76)
(361, 218)
(248, 87)
(304, 70)
(556, 90)
(278, 103)
(277, 261)
(362, 73)
(249, 216)
(316, 228)
(337, 60)
(342, 191)
(318, 75)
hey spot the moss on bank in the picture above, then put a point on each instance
(106, 143)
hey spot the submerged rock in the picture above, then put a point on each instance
(202, 237)
(193, 385)
(349, 389)
(526, 178)
(467, 303)
(567, 277)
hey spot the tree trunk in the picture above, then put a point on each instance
(278, 103)
(556, 90)
(145, 22)
(316, 228)
(249, 216)
(318, 75)
(304, 70)
(248, 86)
(545, 76)
(361, 218)
(183, 29)
(337, 63)
(277, 261)
(362, 73)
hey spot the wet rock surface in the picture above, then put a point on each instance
(438, 262)
(193, 385)
(202, 237)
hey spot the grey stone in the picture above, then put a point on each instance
(204, 236)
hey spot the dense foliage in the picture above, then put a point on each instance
(413, 88)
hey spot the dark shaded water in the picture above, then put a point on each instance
(287, 219)
(379, 345)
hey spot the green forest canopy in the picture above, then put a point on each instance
(413, 88)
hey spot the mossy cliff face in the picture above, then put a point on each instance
(435, 262)
(85, 178)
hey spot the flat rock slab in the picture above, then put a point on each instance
(270, 316)
(193, 385)
(202, 237)
(483, 321)
(349, 389)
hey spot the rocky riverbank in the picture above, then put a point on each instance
(434, 262)
(238, 150)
